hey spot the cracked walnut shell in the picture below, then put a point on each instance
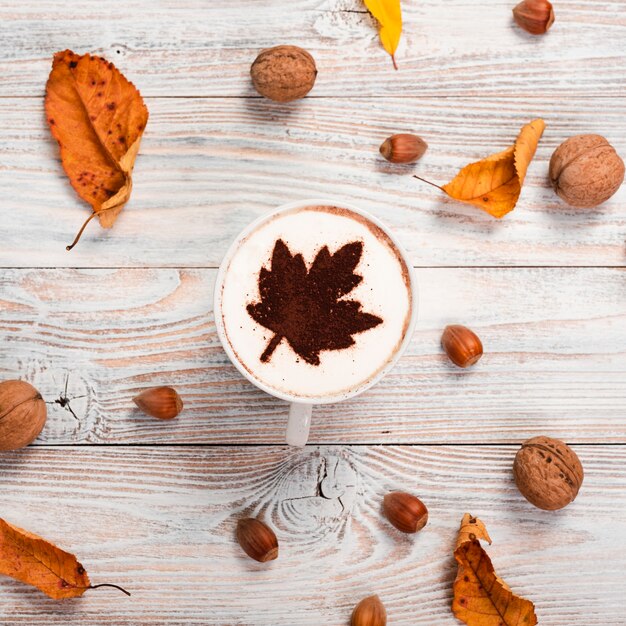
(548, 473)
(283, 73)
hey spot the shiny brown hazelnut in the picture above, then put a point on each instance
(403, 148)
(369, 612)
(462, 345)
(405, 511)
(161, 402)
(257, 539)
(534, 16)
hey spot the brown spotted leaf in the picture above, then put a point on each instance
(481, 598)
(35, 561)
(97, 118)
(38, 562)
(305, 306)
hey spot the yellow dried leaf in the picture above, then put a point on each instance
(495, 183)
(389, 15)
(481, 598)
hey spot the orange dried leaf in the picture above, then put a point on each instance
(38, 562)
(97, 118)
(495, 183)
(481, 598)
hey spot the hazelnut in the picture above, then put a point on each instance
(403, 148)
(585, 170)
(22, 414)
(161, 402)
(369, 612)
(406, 512)
(257, 539)
(462, 345)
(534, 16)
(283, 73)
(548, 473)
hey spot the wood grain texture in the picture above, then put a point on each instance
(555, 360)
(194, 48)
(161, 523)
(208, 167)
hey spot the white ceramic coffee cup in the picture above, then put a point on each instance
(301, 409)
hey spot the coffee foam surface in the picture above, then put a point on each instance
(384, 291)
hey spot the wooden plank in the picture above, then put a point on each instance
(555, 360)
(208, 167)
(198, 48)
(160, 522)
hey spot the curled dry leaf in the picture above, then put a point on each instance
(481, 597)
(495, 183)
(388, 13)
(97, 118)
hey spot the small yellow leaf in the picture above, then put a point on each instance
(481, 598)
(495, 183)
(389, 15)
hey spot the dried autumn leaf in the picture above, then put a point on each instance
(388, 13)
(35, 561)
(481, 598)
(305, 306)
(495, 183)
(97, 118)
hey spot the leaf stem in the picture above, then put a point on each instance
(428, 182)
(80, 232)
(395, 65)
(271, 346)
(109, 585)
(82, 228)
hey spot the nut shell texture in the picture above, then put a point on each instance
(403, 148)
(257, 539)
(548, 473)
(405, 511)
(22, 414)
(161, 402)
(462, 345)
(585, 170)
(283, 73)
(369, 612)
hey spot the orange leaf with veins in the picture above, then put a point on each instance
(494, 184)
(481, 597)
(35, 561)
(97, 118)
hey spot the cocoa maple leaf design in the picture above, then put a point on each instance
(305, 306)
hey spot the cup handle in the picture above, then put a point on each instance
(299, 424)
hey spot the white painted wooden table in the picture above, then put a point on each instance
(152, 506)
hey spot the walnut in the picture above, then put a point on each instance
(283, 73)
(548, 473)
(585, 170)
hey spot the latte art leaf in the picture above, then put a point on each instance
(305, 307)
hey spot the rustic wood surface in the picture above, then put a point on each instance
(555, 360)
(160, 522)
(208, 167)
(449, 47)
(152, 505)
